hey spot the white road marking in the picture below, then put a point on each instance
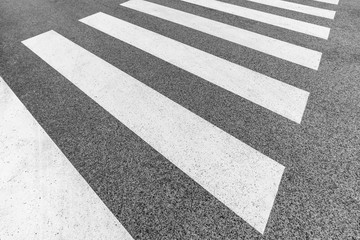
(279, 97)
(319, 12)
(242, 178)
(286, 51)
(42, 196)
(328, 1)
(272, 19)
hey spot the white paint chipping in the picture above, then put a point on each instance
(336, 2)
(319, 12)
(272, 19)
(281, 98)
(286, 51)
(42, 196)
(242, 178)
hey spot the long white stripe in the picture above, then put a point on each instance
(241, 177)
(287, 51)
(272, 19)
(329, 1)
(42, 196)
(319, 12)
(267, 92)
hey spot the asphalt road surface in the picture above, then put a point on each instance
(179, 119)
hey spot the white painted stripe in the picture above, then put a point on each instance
(242, 178)
(287, 51)
(272, 19)
(42, 195)
(281, 98)
(319, 12)
(336, 2)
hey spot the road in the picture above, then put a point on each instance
(180, 119)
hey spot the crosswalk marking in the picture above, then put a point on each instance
(279, 97)
(242, 178)
(42, 196)
(319, 12)
(272, 19)
(287, 51)
(328, 1)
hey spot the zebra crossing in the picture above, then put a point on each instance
(286, 51)
(267, 18)
(266, 92)
(241, 177)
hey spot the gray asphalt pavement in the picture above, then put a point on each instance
(319, 194)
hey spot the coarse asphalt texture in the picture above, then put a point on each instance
(319, 195)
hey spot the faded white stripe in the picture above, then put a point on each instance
(242, 178)
(328, 1)
(319, 12)
(286, 51)
(42, 195)
(272, 19)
